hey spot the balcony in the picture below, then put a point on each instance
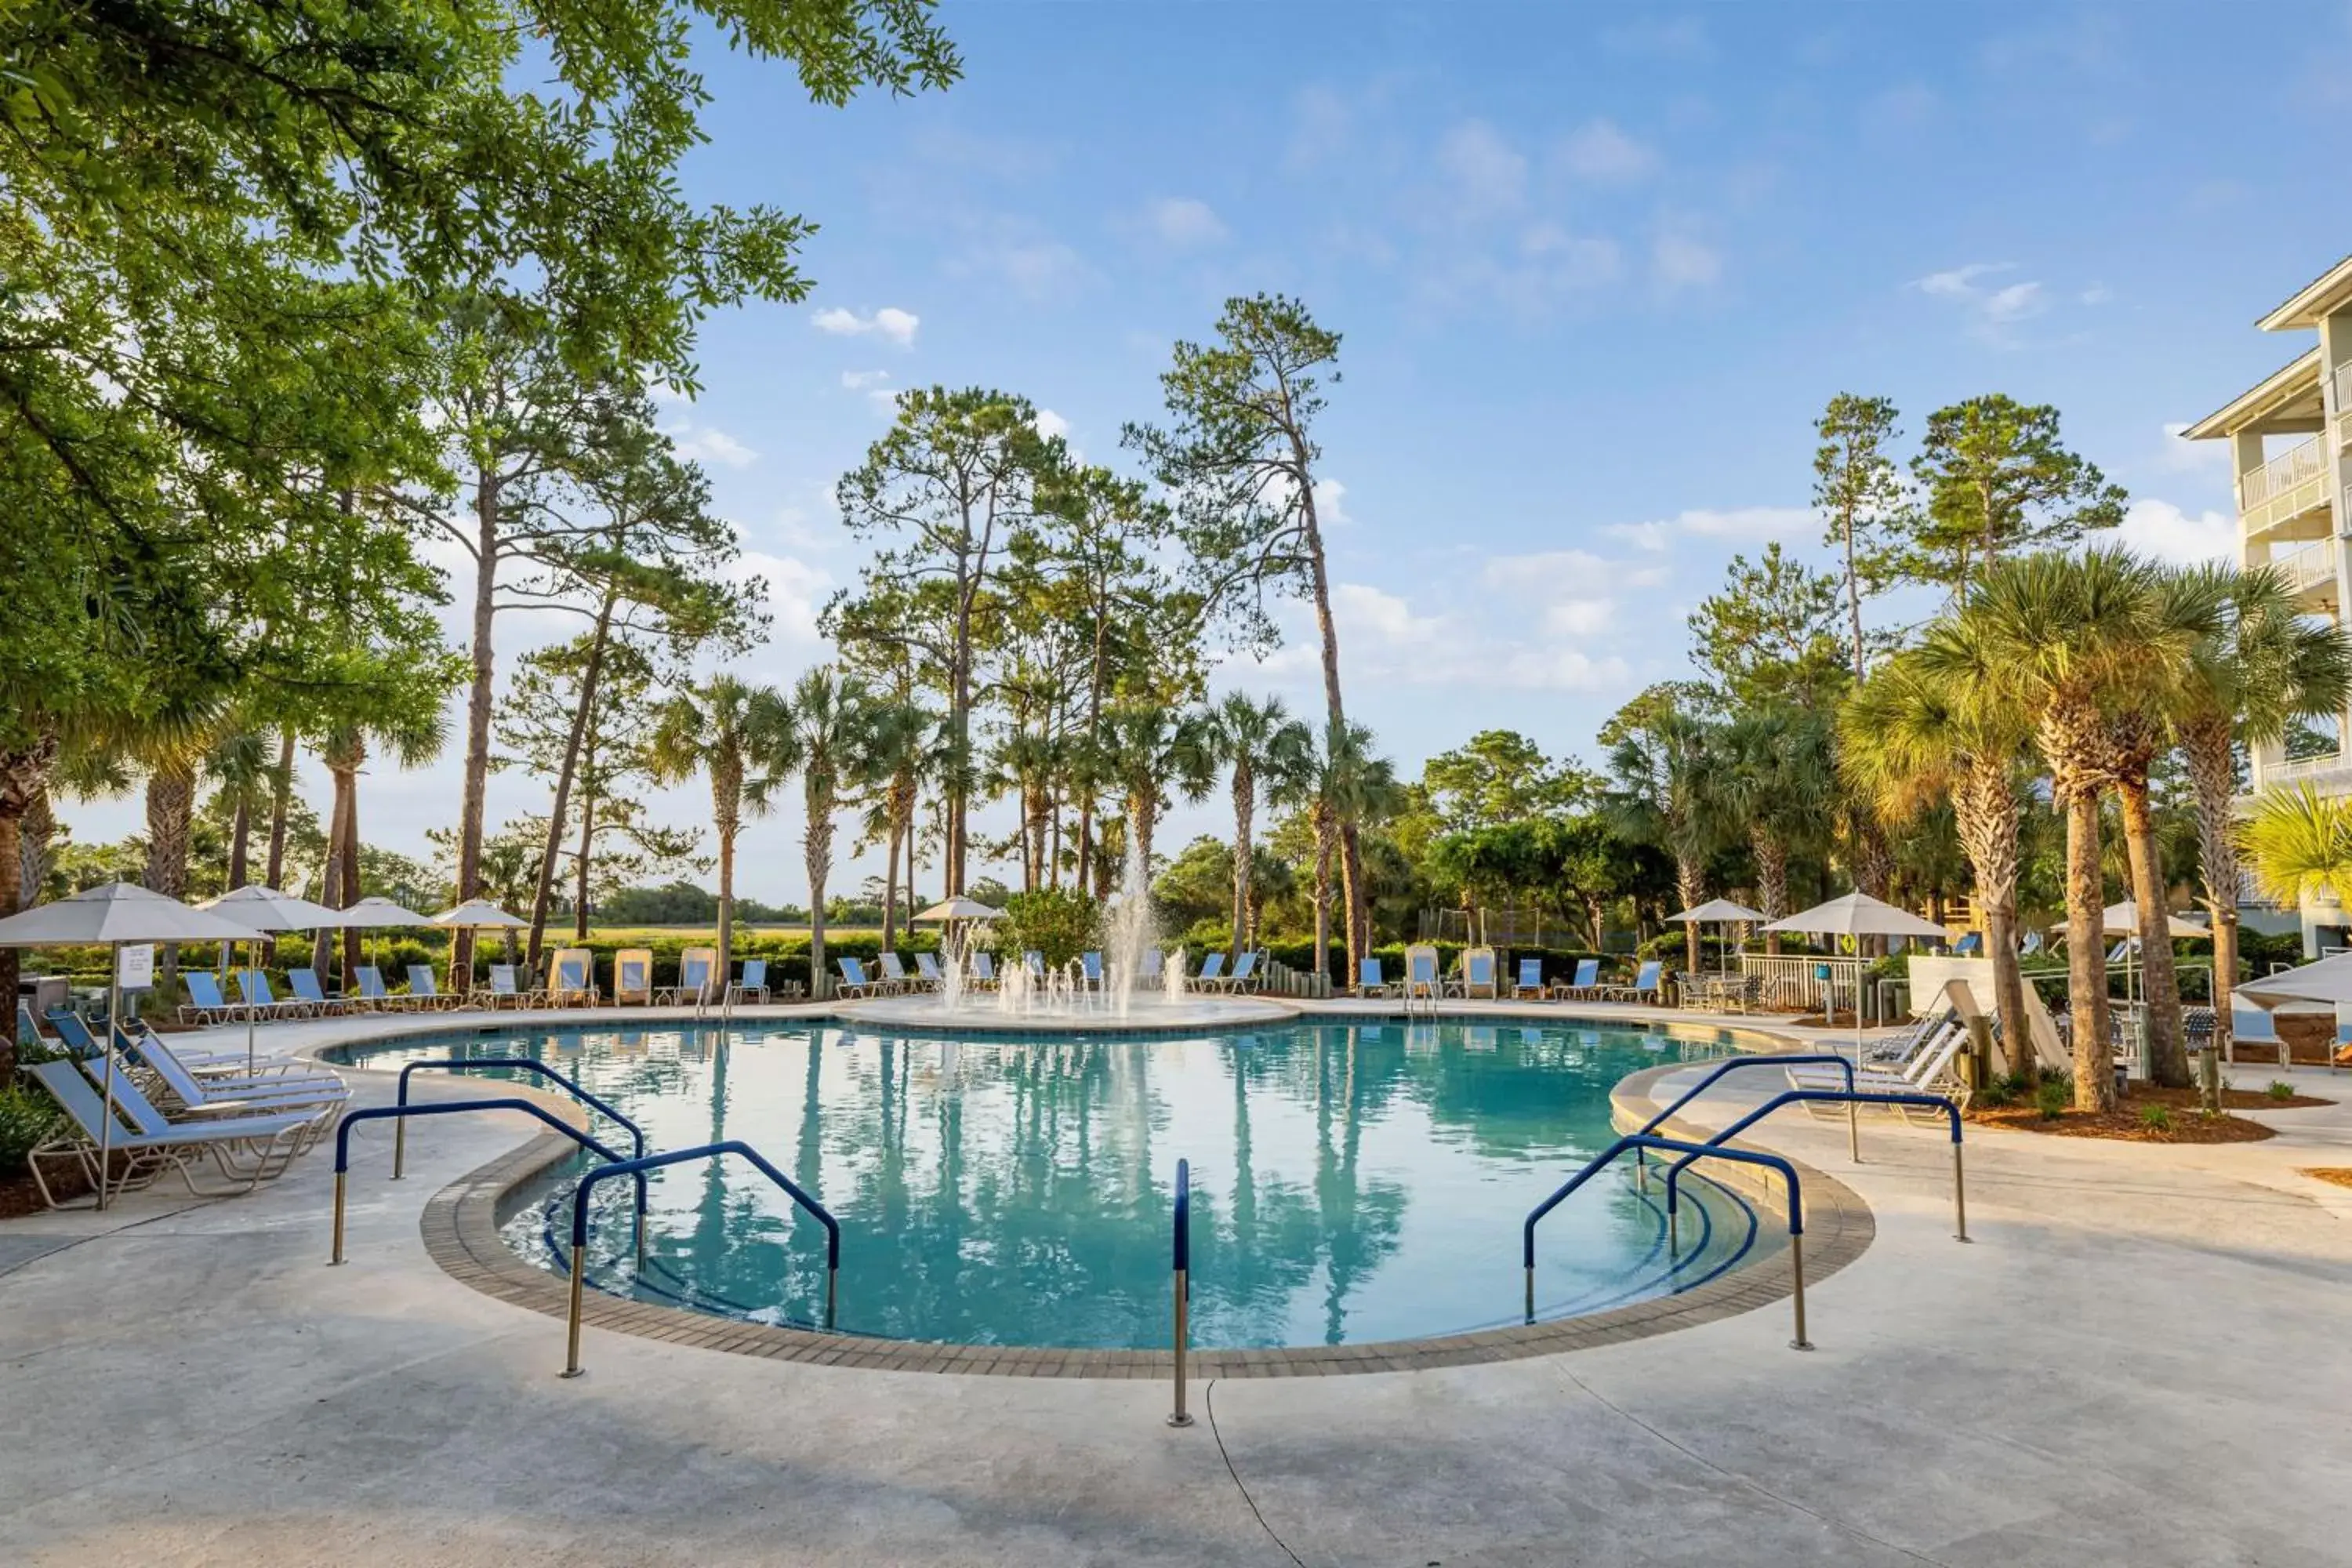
(2342, 401)
(2329, 774)
(2293, 483)
(2309, 568)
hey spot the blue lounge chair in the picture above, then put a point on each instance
(206, 1004)
(246, 1151)
(1090, 969)
(372, 997)
(307, 989)
(632, 977)
(926, 971)
(574, 983)
(754, 981)
(693, 980)
(1369, 981)
(260, 1001)
(2032, 944)
(854, 982)
(503, 989)
(1212, 970)
(1644, 986)
(983, 969)
(1244, 974)
(2251, 1026)
(1477, 974)
(1036, 963)
(1421, 979)
(423, 992)
(29, 1033)
(1585, 986)
(1530, 980)
(1968, 946)
(276, 1093)
(1151, 969)
(895, 978)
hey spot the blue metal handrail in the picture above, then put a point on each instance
(402, 1112)
(1182, 1261)
(1644, 1140)
(1787, 1059)
(1850, 1098)
(636, 1168)
(523, 1064)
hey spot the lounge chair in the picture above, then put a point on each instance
(1929, 1073)
(1151, 969)
(1585, 986)
(983, 969)
(571, 980)
(246, 1151)
(261, 1003)
(1644, 986)
(1477, 975)
(196, 1096)
(503, 991)
(894, 979)
(854, 982)
(1036, 963)
(1421, 979)
(1369, 981)
(1212, 970)
(928, 972)
(1244, 975)
(1898, 1051)
(2032, 944)
(1090, 969)
(423, 994)
(306, 988)
(315, 1109)
(693, 980)
(1530, 980)
(633, 976)
(1968, 946)
(2120, 952)
(754, 981)
(134, 1038)
(372, 997)
(206, 1004)
(2251, 1026)
(29, 1033)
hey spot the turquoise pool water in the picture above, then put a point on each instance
(1351, 1183)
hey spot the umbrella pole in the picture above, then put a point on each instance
(106, 1121)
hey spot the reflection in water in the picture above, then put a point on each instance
(1351, 1183)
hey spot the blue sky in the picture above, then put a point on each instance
(1597, 269)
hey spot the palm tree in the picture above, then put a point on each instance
(2251, 677)
(740, 736)
(2068, 636)
(1671, 793)
(903, 742)
(411, 730)
(829, 725)
(1152, 749)
(1263, 744)
(1344, 780)
(1931, 724)
(1779, 780)
(1027, 761)
(2300, 844)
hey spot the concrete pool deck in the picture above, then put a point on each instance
(2140, 1359)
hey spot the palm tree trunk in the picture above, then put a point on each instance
(1359, 897)
(2211, 773)
(817, 855)
(726, 818)
(2087, 970)
(170, 809)
(1984, 807)
(351, 857)
(1690, 886)
(2168, 1047)
(1771, 880)
(890, 887)
(1244, 811)
(1323, 838)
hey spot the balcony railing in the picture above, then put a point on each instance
(2342, 403)
(2313, 566)
(2287, 486)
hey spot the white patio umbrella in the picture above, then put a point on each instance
(383, 914)
(475, 914)
(1857, 914)
(2123, 920)
(1719, 911)
(2328, 980)
(959, 908)
(117, 914)
(267, 909)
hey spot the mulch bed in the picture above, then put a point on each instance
(2334, 1175)
(2190, 1122)
(19, 1197)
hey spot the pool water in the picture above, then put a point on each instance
(1351, 1183)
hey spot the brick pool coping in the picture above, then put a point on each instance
(460, 1227)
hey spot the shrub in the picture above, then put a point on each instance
(1996, 1095)
(2280, 1089)
(27, 1116)
(2156, 1117)
(2051, 1097)
(1058, 922)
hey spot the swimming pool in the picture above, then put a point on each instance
(1351, 1183)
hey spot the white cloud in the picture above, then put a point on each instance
(2160, 529)
(860, 380)
(2179, 457)
(1605, 154)
(795, 594)
(2096, 294)
(1678, 262)
(1331, 504)
(1052, 426)
(1185, 221)
(1752, 524)
(1991, 312)
(702, 443)
(899, 326)
(1487, 173)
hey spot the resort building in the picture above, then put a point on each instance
(2291, 445)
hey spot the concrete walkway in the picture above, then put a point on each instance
(2140, 1360)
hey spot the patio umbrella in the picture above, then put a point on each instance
(1718, 912)
(475, 914)
(959, 908)
(118, 914)
(1857, 915)
(2328, 980)
(383, 914)
(267, 909)
(2123, 920)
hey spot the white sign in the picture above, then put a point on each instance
(134, 966)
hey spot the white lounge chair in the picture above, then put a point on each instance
(1929, 1073)
(246, 1150)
